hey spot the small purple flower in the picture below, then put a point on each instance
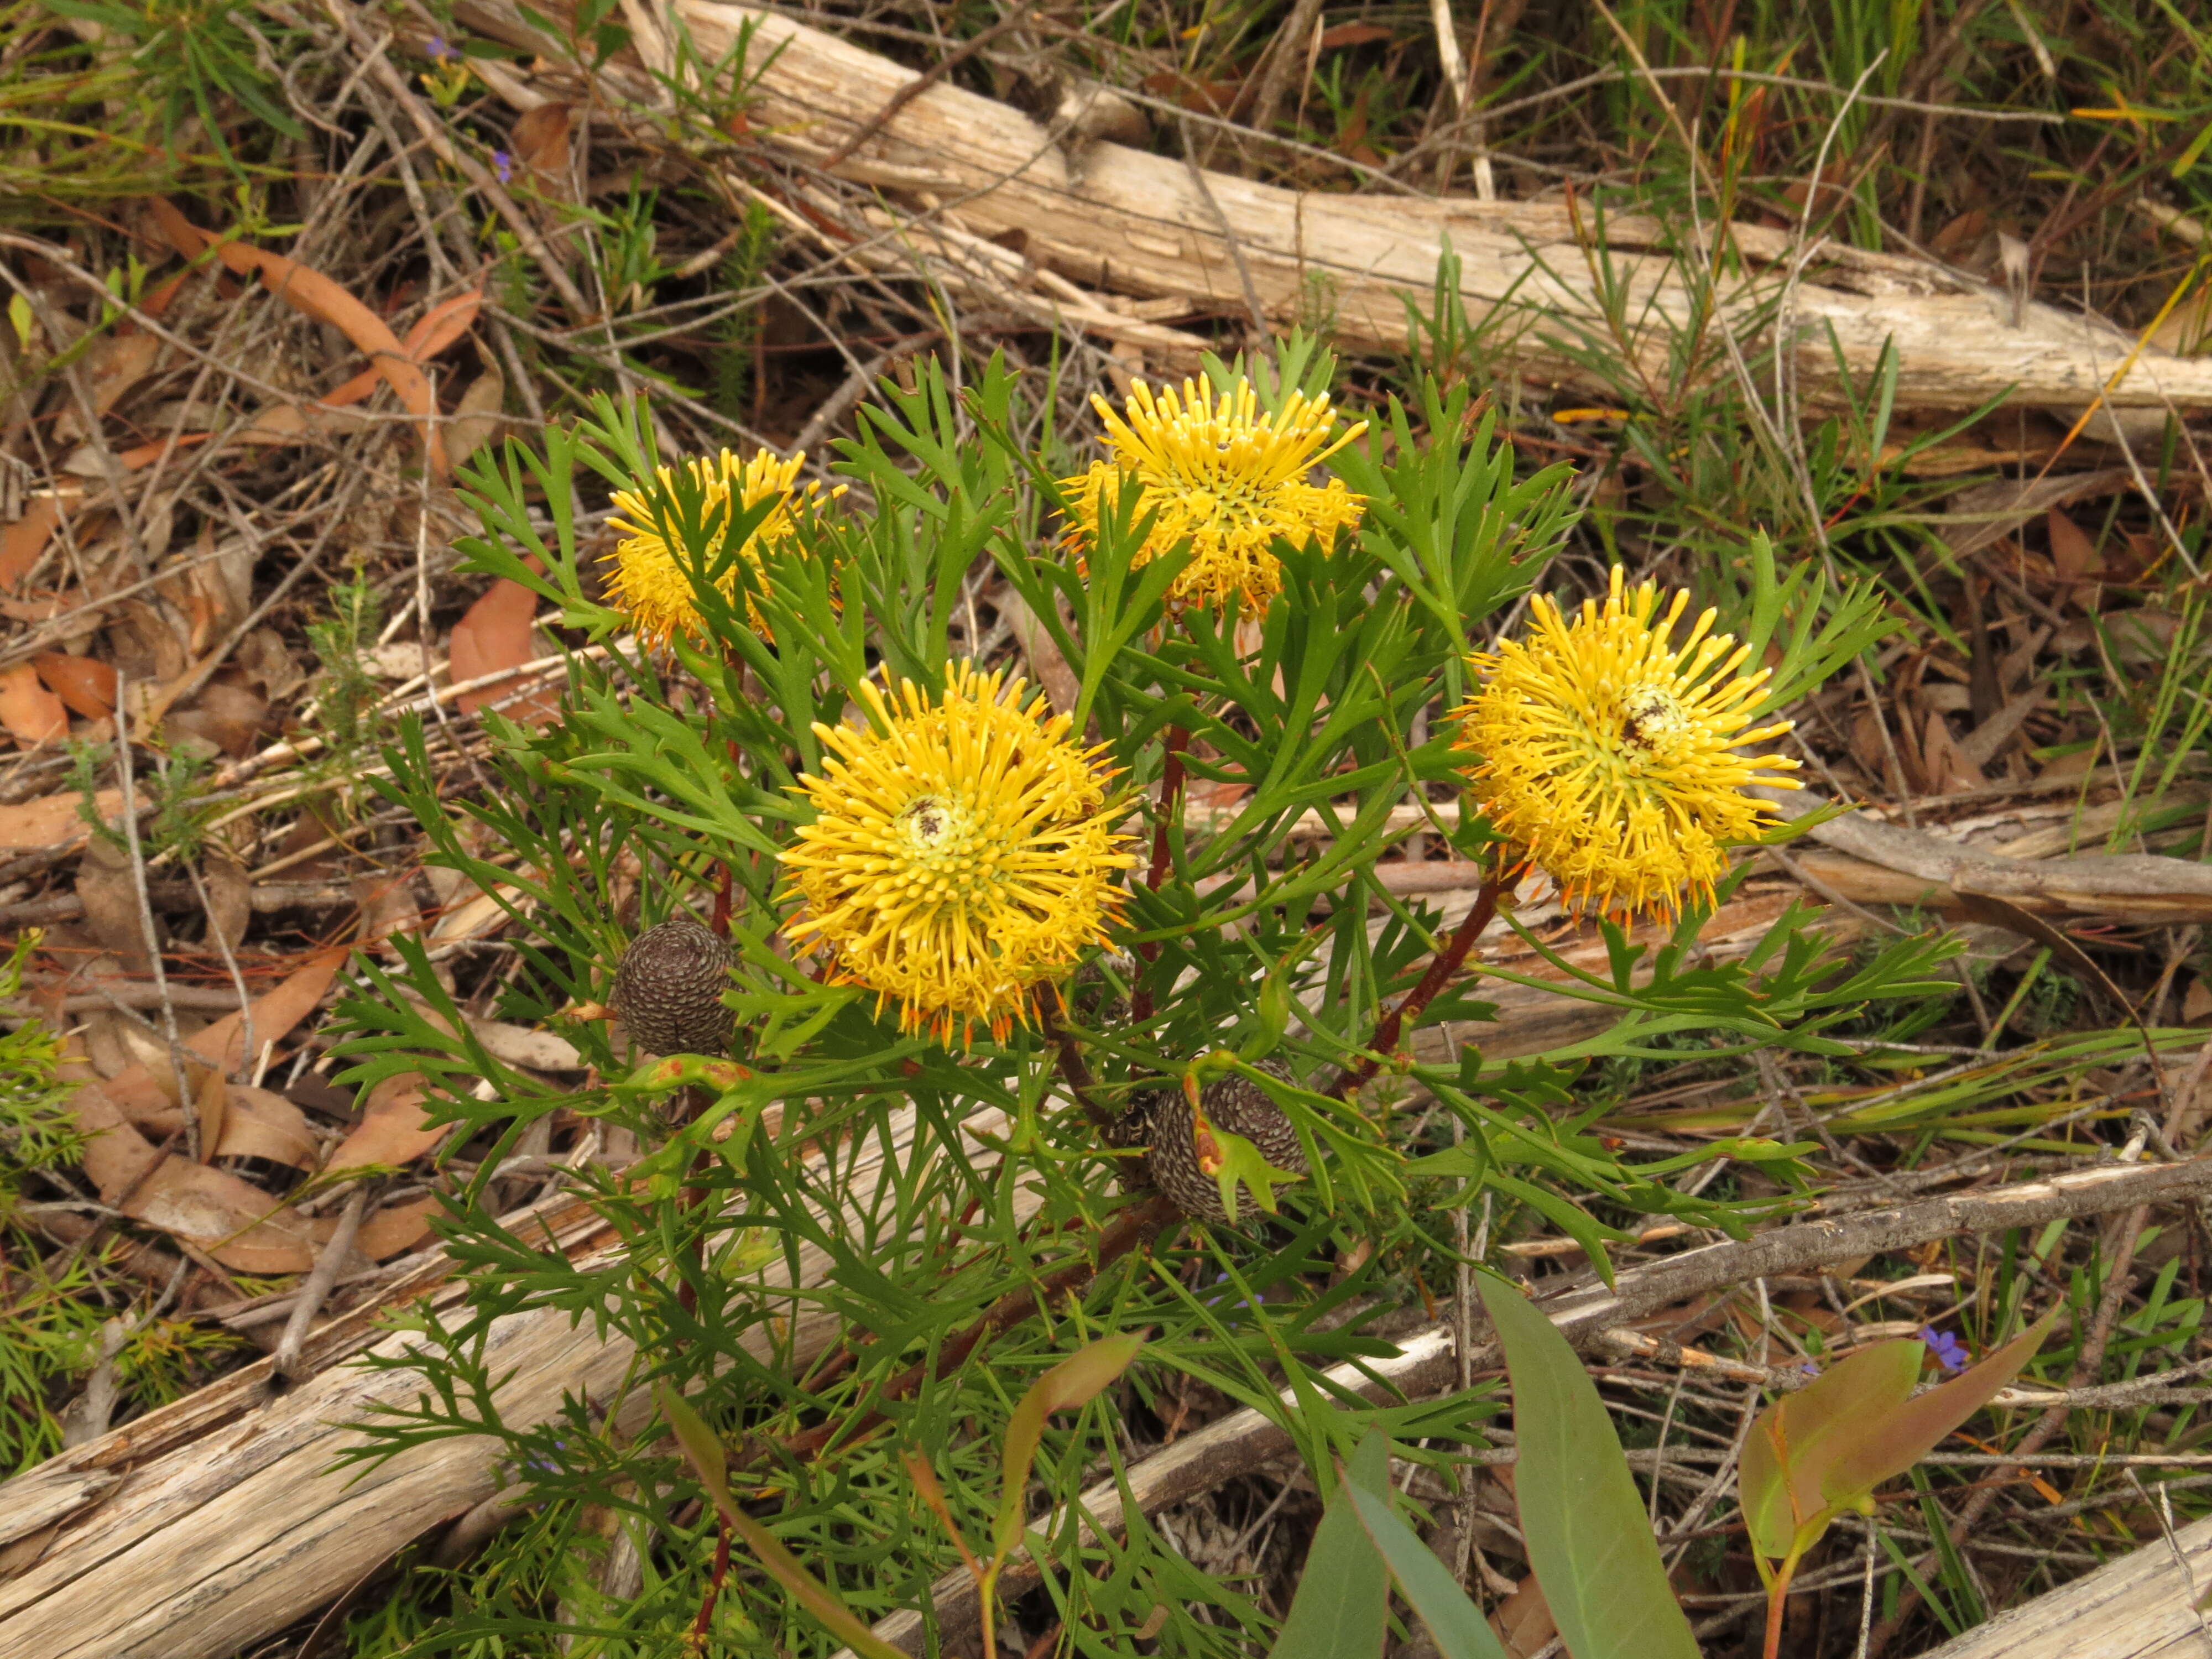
(503, 165)
(1950, 1352)
(437, 51)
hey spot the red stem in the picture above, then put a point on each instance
(713, 1586)
(1171, 781)
(1171, 776)
(1447, 963)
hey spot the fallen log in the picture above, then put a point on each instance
(1057, 220)
(2143, 1606)
(227, 1523)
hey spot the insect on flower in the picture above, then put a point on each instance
(1222, 475)
(1605, 753)
(964, 855)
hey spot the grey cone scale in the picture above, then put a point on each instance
(669, 989)
(1235, 1103)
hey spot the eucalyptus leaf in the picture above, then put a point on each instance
(1588, 1533)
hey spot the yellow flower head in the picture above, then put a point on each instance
(1606, 755)
(964, 854)
(651, 587)
(1223, 475)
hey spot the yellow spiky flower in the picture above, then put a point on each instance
(1222, 474)
(650, 587)
(1606, 755)
(965, 854)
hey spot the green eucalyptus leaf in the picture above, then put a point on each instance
(1588, 1533)
(1827, 1447)
(1341, 1609)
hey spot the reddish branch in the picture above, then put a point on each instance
(705, 1621)
(1447, 962)
(1073, 1070)
(1171, 785)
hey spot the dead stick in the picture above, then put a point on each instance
(317, 1288)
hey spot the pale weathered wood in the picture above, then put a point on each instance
(2136, 1608)
(241, 1529)
(967, 170)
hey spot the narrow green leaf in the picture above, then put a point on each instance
(701, 1446)
(808, 1591)
(1589, 1535)
(702, 1449)
(1455, 1623)
(1072, 1382)
(1342, 1608)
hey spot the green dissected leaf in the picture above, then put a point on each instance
(1588, 1533)
(1455, 1623)
(1825, 1448)
(1073, 1382)
(1572, 1220)
(702, 1449)
(1341, 1610)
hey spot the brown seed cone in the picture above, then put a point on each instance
(1235, 1103)
(669, 989)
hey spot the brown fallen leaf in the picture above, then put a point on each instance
(498, 632)
(540, 141)
(147, 1094)
(1524, 1620)
(31, 713)
(263, 1124)
(229, 899)
(50, 821)
(109, 892)
(146, 454)
(392, 1129)
(119, 362)
(2072, 554)
(85, 685)
(316, 296)
(23, 543)
(437, 330)
(229, 716)
(477, 419)
(226, 1215)
(211, 1102)
(237, 1223)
